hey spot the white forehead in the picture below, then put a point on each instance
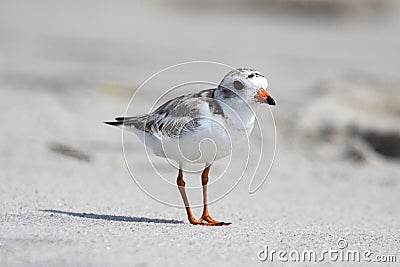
(247, 76)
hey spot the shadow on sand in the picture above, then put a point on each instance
(113, 217)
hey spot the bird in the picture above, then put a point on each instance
(225, 115)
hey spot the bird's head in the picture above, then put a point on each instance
(248, 84)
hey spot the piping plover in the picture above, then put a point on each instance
(225, 115)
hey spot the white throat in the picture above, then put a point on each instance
(238, 114)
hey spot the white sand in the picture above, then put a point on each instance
(66, 68)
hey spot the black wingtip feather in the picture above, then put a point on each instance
(120, 118)
(114, 123)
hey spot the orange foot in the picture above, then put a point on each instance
(208, 221)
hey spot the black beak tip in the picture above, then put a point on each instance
(271, 101)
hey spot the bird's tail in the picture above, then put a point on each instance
(138, 122)
(119, 121)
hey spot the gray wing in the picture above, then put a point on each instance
(174, 118)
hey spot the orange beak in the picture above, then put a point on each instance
(264, 97)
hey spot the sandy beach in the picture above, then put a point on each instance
(67, 198)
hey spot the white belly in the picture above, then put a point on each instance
(211, 141)
(214, 139)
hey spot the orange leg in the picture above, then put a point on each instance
(206, 216)
(181, 186)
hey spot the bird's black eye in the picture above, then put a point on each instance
(238, 85)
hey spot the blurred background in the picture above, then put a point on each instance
(67, 66)
(83, 60)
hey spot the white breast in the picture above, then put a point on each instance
(213, 140)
